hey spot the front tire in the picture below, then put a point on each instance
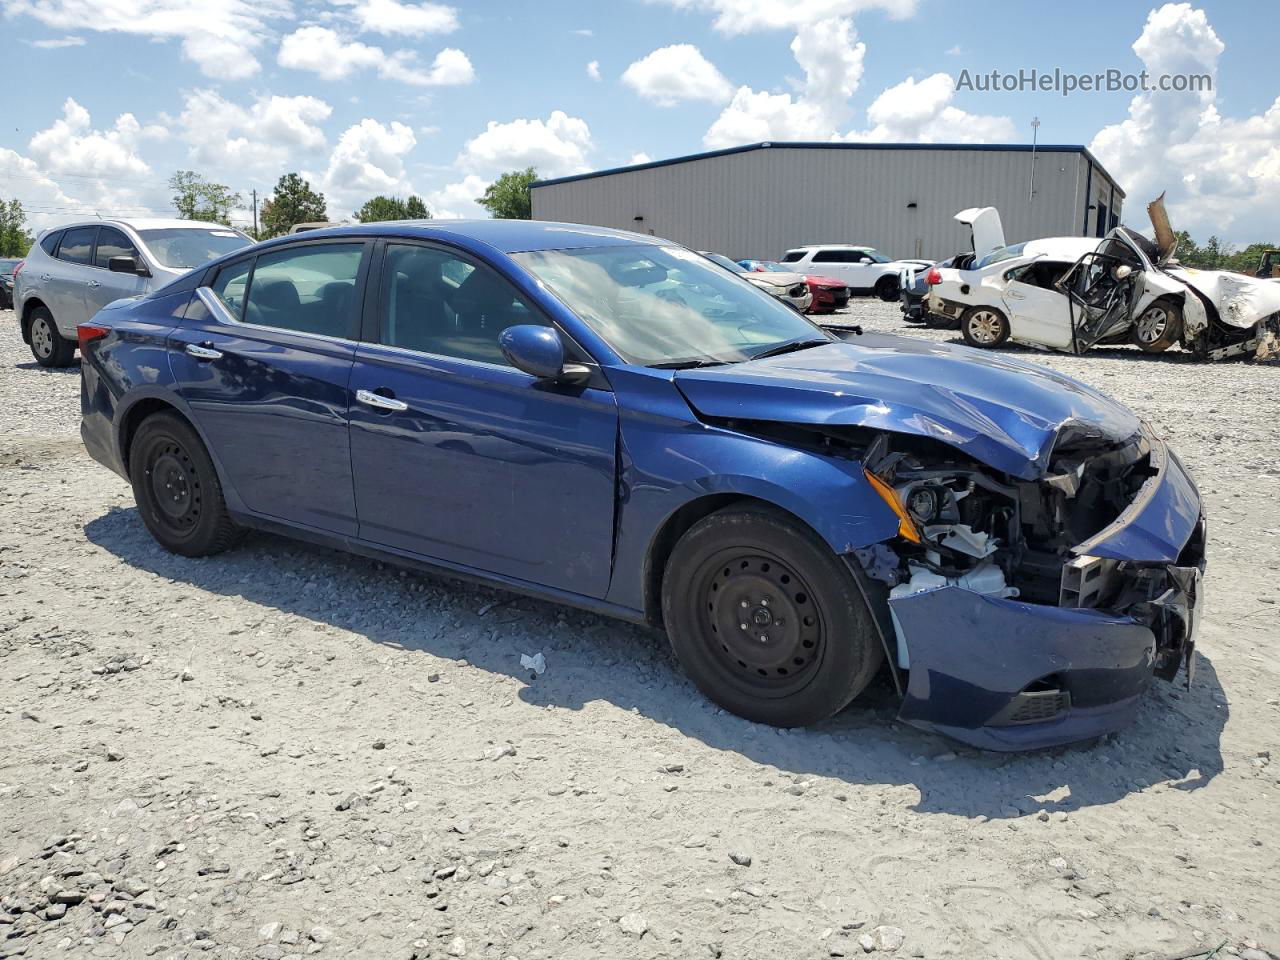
(766, 620)
(1158, 327)
(48, 346)
(176, 488)
(984, 327)
(888, 288)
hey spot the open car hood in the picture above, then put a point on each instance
(1001, 411)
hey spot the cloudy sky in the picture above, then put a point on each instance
(437, 98)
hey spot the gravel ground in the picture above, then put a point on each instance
(283, 751)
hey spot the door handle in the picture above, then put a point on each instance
(369, 398)
(202, 353)
(46, 276)
(93, 283)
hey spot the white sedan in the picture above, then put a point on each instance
(1069, 293)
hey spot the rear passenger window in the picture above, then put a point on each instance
(439, 303)
(231, 285)
(793, 256)
(77, 245)
(50, 243)
(113, 243)
(310, 289)
(831, 256)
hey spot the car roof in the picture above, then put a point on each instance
(506, 236)
(833, 246)
(1071, 247)
(155, 223)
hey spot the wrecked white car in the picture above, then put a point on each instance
(1070, 293)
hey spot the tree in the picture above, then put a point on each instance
(293, 202)
(507, 198)
(382, 208)
(15, 240)
(196, 198)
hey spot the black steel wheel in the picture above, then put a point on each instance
(177, 490)
(767, 621)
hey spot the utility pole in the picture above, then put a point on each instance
(1035, 130)
(255, 213)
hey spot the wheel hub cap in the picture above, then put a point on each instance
(984, 327)
(41, 337)
(1151, 325)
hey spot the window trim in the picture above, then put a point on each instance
(226, 317)
(371, 331)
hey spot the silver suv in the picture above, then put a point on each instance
(74, 271)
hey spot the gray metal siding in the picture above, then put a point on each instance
(761, 202)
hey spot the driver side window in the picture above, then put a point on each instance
(437, 302)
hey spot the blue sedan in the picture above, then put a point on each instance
(609, 420)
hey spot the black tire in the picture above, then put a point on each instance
(1158, 327)
(888, 288)
(176, 488)
(984, 327)
(821, 648)
(48, 346)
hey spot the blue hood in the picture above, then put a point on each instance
(1001, 411)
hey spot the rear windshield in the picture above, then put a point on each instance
(1004, 253)
(182, 248)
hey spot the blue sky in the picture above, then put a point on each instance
(385, 96)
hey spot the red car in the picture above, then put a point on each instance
(829, 293)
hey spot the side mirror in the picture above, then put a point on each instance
(128, 265)
(1122, 272)
(539, 352)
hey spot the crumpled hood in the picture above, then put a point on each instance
(1001, 411)
(777, 278)
(1241, 301)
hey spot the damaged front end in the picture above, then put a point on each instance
(1030, 613)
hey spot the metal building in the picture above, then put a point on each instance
(756, 201)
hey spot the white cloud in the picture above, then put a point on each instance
(368, 160)
(583, 32)
(640, 157)
(745, 16)
(324, 52)
(676, 73)
(403, 19)
(922, 112)
(221, 37)
(458, 200)
(1222, 173)
(593, 70)
(555, 146)
(832, 59)
(260, 138)
(72, 146)
(57, 43)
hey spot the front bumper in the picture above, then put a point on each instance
(1001, 674)
(829, 299)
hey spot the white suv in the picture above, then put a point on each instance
(74, 271)
(863, 269)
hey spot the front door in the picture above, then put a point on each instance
(106, 287)
(263, 357)
(458, 456)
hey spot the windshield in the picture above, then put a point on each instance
(1004, 253)
(725, 262)
(181, 248)
(876, 256)
(667, 305)
(772, 267)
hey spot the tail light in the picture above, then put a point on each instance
(933, 277)
(17, 268)
(86, 333)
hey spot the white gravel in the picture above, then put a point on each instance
(284, 750)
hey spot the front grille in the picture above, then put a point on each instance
(1034, 706)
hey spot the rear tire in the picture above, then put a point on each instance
(984, 327)
(888, 288)
(1158, 327)
(48, 346)
(176, 488)
(766, 620)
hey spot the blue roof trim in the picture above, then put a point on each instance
(827, 145)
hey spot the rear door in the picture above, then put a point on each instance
(836, 263)
(460, 457)
(105, 286)
(66, 279)
(263, 358)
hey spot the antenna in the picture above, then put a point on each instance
(1035, 130)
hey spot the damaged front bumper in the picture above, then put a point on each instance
(1003, 674)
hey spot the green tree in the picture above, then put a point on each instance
(15, 240)
(507, 198)
(382, 208)
(196, 198)
(292, 202)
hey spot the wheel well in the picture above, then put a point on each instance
(675, 527)
(133, 420)
(24, 322)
